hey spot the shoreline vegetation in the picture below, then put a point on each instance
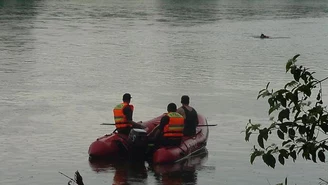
(297, 118)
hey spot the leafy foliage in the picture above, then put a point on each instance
(297, 123)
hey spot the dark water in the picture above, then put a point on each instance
(65, 64)
(184, 172)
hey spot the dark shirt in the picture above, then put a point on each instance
(191, 122)
(127, 111)
(164, 121)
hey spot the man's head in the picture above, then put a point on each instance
(127, 97)
(185, 100)
(172, 107)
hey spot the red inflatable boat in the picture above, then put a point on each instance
(116, 145)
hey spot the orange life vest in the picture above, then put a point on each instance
(175, 126)
(119, 117)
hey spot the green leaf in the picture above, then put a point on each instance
(297, 74)
(264, 133)
(301, 140)
(319, 95)
(304, 77)
(260, 141)
(304, 118)
(255, 126)
(280, 97)
(284, 153)
(271, 102)
(247, 135)
(281, 159)
(286, 142)
(253, 156)
(293, 155)
(269, 160)
(306, 154)
(324, 127)
(275, 107)
(302, 130)
(262, 91)
(280, 134)
(295, 57)
(288, 64)
(283, 102)
(291, 133)
(283, 128)
(286, 181)
(283, 114)
(291, 84)
(264, 94)
(314, 155)
(324, 118)
(307, 90)
(322, 156)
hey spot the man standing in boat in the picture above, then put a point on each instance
(123, 113)
(170, 127)
(190, 116)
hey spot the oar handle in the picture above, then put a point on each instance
(207, 125)
(107, 124)
(213, 125)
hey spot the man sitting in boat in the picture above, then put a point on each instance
(170, 130)
(190, 116)
(123, 116)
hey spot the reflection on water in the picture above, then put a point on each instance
(17, 19)
(127, 172)
(16, 40)
(191, 12)
(188, 13)
(184, 172)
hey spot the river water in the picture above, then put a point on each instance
(65, 64)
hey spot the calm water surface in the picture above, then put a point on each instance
(65, 64)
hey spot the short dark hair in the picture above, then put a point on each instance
(185, 99)
(171, 107)
(127, 97)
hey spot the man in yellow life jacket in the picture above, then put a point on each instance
(123, 113)
(170, 130)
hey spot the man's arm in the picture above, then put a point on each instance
(164, 121)
(159, 129)
(127, 111)
(196, 117)
(182, 112)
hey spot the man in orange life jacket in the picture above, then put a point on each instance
(171, 127)
(190, 116)
(123, 113)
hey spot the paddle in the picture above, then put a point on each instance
(207, 125)
(107, 124)
(197, 125)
